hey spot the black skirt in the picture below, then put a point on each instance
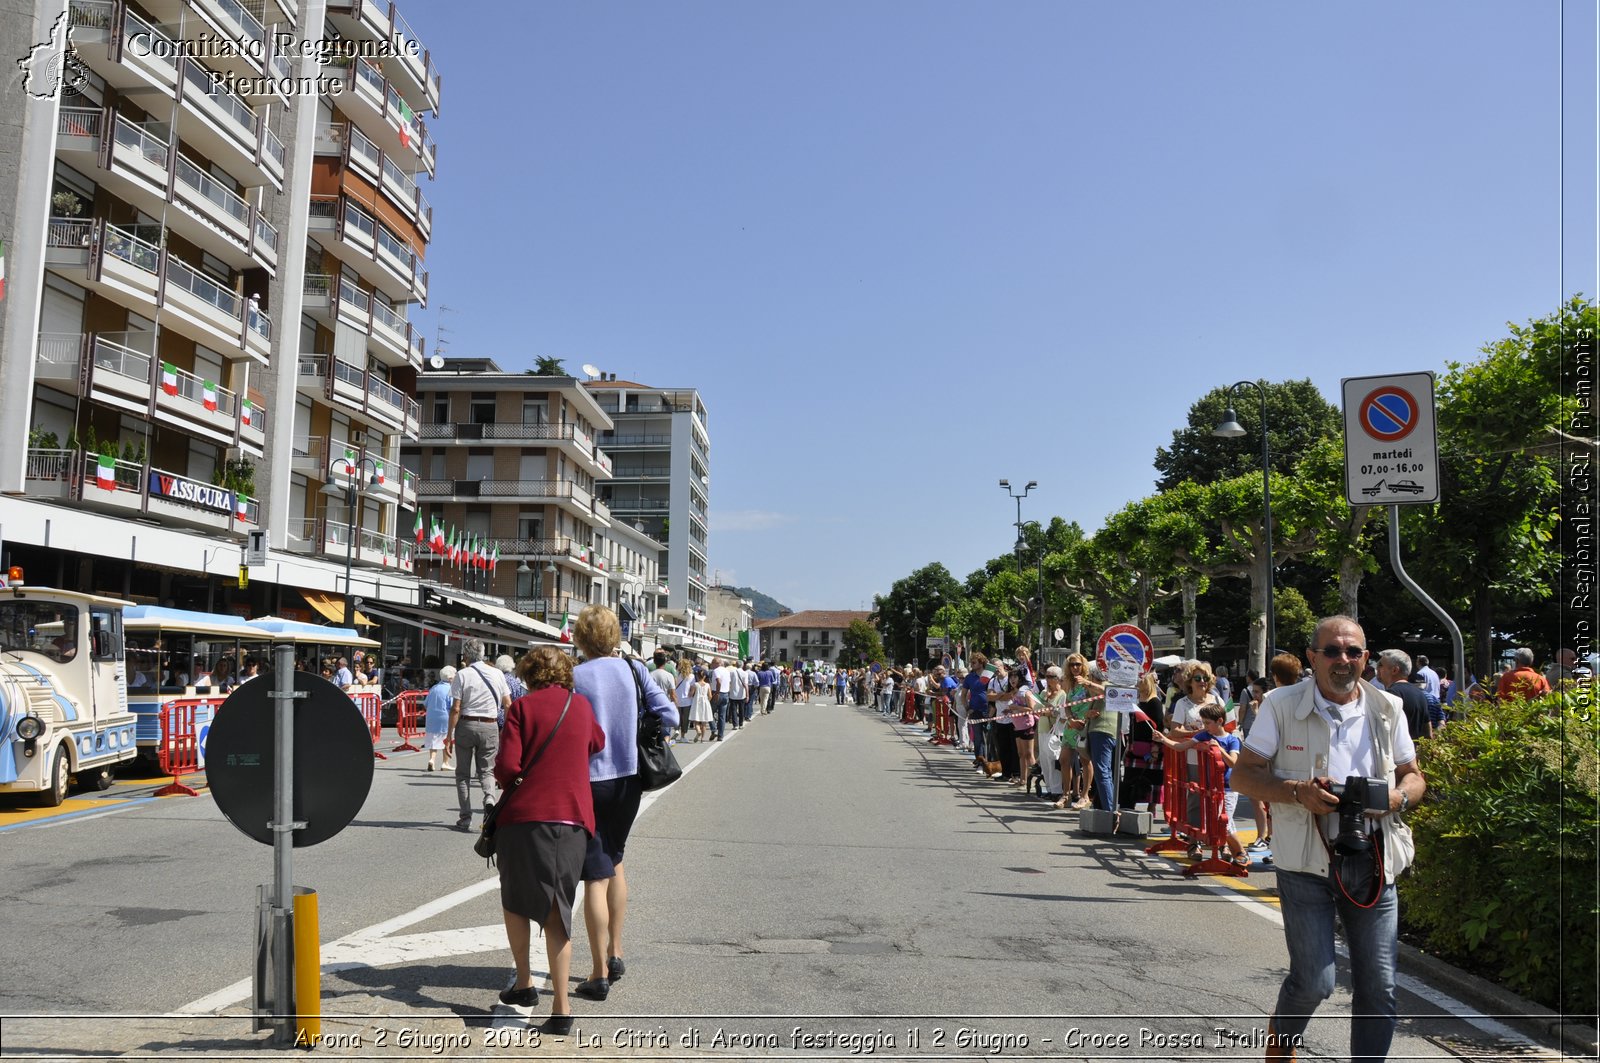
(540, 865)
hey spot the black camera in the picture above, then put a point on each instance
(1358, 797)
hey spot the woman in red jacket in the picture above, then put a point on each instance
(544, 826)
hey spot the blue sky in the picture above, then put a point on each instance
(907, 248)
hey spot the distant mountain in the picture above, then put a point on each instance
(766, 607)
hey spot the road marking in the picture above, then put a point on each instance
(375, 946)
(54, 817)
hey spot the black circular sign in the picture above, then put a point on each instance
(332, 759)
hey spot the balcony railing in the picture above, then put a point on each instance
(273, 147)
(243, 19)
(69, 232)
(225, 199)
(362, 147)
(324, 208)
(317, 284)
(132, 249)
(359, 220)
(500, 430)
(505, 489)
(122, 360)
(79, 122)
(193, 388)
(267, 234)
(389, 243)
(349, 293)
(388, 317)
(195, 78)
(161, 48)
(184, 276)
(91, 14)
(46, 464)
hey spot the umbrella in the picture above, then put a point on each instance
(1171, 660)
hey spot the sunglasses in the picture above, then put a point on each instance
(1335, 652)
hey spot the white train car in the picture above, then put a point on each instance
(63, 690)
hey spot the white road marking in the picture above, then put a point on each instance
(375, 946)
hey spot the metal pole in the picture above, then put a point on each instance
(283, 827)
(1266, 507)
(1041, 602)
(1422, 596)
(349, 554)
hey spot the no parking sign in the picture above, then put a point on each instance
(1391, 452)
(1124, 651)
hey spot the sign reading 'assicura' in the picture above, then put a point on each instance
(193, 492)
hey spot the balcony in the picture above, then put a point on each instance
(309, 457)
(642, 473)
(72, 476)
(380, 19)
(578, 442)
(366, 244)
(380, 109)
(612, 441)
(548, 607)
(224, 19)
(336, 380)
(196, 405)
(332, 539)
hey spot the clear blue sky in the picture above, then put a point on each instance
(907, 248)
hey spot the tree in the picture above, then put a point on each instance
(546, 366)
(859, 646)
(1297, 416)
(909, 608)
(1343, 542)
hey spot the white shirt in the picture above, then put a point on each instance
(1350, 749)
(736, 686)
(480, 689)
(721, 679)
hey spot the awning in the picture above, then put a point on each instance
(495, 614)
(331, 606)
(624, 613)
(428, 620)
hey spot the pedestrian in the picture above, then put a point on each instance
(1522, 681)
(1144, 779)
(543, 830)
(343, 678)
(1100, 730)
(478, 696)
(721, 684)
(1018, 700)
(436, 717)
(1308, 738)
(976, 684)
(698, 692)
(841, 679)
(1394, 676)
(1077, 771)
(614, 686)
(1184, 723)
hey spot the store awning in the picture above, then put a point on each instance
(440, 623)
(331, 607)
(624, 613)
(494, 614)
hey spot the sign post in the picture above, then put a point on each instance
(1391, 458)
(1124, 653)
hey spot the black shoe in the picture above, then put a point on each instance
(615, 969)
(520, 998)
(464, 824)
(593, 989)
(557, 1025)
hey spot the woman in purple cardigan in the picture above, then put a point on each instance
(612, 685)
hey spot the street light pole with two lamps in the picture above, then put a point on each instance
(350, 493)
(1005, 485)
(1230, 428)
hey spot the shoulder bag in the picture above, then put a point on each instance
(658, 766)
(485, 844)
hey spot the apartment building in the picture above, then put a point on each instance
(810, 635)
(633, 582)
(510, 459)
(728, 613)
(662, 480)
(205, 326)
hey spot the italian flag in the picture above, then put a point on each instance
(454, 548)
(2, 269)
(208, 395)
(349, 455)
(169, 378)
(245, 409)
(566, 627)
(405, 125)
(238, 505)
(105, 473)
(437, 539)
(417, 530)
(377, 471)
(494, 562)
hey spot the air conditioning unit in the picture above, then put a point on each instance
(358, 438)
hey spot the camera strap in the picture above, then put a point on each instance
(1346, 877)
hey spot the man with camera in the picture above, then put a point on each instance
(1336, 760)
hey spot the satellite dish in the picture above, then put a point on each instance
(436, 362)
(590, 371)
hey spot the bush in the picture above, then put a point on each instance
(1504, 882)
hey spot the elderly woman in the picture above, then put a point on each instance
(546, 821)
(436, 716)
(614, 686)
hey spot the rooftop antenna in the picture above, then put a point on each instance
(590, 371)
(440, 344)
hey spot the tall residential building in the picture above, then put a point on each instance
(212, 244)
(634, 587)
(662, 480)
(510, 460)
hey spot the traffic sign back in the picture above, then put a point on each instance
(1391, 452)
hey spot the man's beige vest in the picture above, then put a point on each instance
(1303, 745)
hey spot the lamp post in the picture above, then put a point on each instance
(350, 492)
(1021, 542)
(1005, 485)
(1230, 428)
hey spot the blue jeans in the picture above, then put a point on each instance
(1102, 748)
(719, 707)
(1309, 906)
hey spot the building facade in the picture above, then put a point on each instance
(509, 461)
(634, 589)
(204, 329)
(812, 635)
(727, 614)
(662, 480)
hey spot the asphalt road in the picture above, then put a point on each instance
(823, 883)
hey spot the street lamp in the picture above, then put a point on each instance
(1230, 428)
(1021, 542)
(1005, 485)
(350, 492)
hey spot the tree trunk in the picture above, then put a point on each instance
(1143, 604)
(1077, 632)
(1191, 645)
(1482, 635)
(1350, 573)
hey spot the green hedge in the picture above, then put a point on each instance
(1505, 878)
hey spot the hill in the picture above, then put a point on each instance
(767, 607)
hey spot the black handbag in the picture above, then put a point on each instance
(484, 846)
(658, 766)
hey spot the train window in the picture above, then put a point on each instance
(105, 633)
(31, 625)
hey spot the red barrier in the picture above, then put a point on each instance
(409, 719)
(1211, 832)
(179, 753)
(909, 714)
(942, 725)
(371, 706)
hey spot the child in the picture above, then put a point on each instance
(1213, 717)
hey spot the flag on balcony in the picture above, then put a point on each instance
(494, 562)
(566, 627)
(105, 473)
(406, 126)
(2, 269)
(417, 531)
(208, 395)
(245, 410)
(169, 378)
(238, 506)
(437, 538)
(377, 472)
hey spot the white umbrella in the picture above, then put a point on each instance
(1171, 660)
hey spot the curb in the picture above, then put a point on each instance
(1500, 1003)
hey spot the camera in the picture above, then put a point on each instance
(1358, 797)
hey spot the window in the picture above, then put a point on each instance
(533, 411)
(483, 407)
(441, 410)
(105, 633)
(783, 636)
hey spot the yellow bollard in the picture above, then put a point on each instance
(307, 967)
